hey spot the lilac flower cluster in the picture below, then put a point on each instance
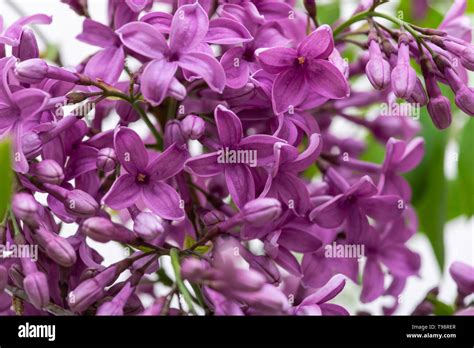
(279, 223)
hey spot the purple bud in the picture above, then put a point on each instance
(261, 211)
(26, 208)
(31, 70)
(463, 275)
(193, 126)
(147, 226)
(28, 47)
(173, 133)
(465, 52)
(439, 109)
(56, 247)
(92, 289)
(465, 99)
(419, 95)
(48, 171)
(103, 230)
(377, 68)
(37, 290)
(213, 217)
(115, 307)
(35, 70)
(106, 159)
(31, 144)
(80, 204)
(3, 278)
(193, 270)
(403, 75)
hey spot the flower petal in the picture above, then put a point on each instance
(130, 150)
(163, 200)
(400, 260)
(332, 288)
(229, 126)
(235, 67)
(382, 208)
(188, 28)
(106, 65)
(156, 80)
(30, 101)
(276, 60)
(123, 193)
(225, 31)
(288, 90)
(144, 39)
(169, 163)
(263, 144)
(325, 79)
(412, 156)
(330, 214)
(372, 281)
(204, 165)
(97, 34)
(240, 183)
(319, 44)
(206, 67)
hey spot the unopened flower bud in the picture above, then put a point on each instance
(173, 133)
(103, 230)
(28, 47)
(48, 171)
(377, 68)
(193, 126)
(261, 211)
(463, 275)
(31, 70)
(403, 75)
(80, 204)
(147, 225)
(419, 95)
(115, 307)
(56, 247)
(26, 208)
(36, 287)
(106, 159)
(465, 99)
(92, 289)
(439, 109)
(35, 70)
(31, 144)
(213, 217)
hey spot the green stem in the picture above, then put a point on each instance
(179, 281)
(363, 15)
(144, 116)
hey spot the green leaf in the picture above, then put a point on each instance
(430, 186)
(466, 169)
(6, 182)
(328, 13)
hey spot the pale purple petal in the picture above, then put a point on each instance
(188, 28)
(288, 90)
(372, 281)
(106, 65)
(163, 200)
(206, 67)
(204, 165)
(156, 80)
(144, 39)
(235, 67)
(319, 44)
(131, 153)
(325, 79)
(229, 126)
(224, 31)
(240, 183)
(123, 193)
(276, 60)
(97, 34)
(169, 163)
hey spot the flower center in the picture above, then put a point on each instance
(301, 60)
(142, 177)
